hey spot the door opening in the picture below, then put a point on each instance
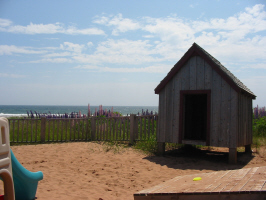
(195, 117)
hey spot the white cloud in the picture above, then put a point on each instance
(77, 48)
(63, 54)
(258, 66)
(89, 44)
(11, 49)
(120, 51)
(119, 23)
(5, 75)
(5, 26)
(150, 69)
(86, 67)
(5, 22)
(53, 60)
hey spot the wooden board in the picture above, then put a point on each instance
(247, 183)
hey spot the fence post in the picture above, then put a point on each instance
(43, 128)
(93, 128)
(133, 128)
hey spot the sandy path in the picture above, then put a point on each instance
(94, 171)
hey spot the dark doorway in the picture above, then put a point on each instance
(195, 119)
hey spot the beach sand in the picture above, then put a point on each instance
(97, 171)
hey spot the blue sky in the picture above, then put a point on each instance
(116, 52)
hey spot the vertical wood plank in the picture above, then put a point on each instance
(66, 122)
(169, 111)
(70, 129)
(124, 128)
(141, 127)
(13, 130)
(93, 128)
(57, 134)
(36, 130)
(216, 109)
(43, 129)
(162, 116)
(49, 129)
(128, 126)
(251, 120)
(27, 125)
(225, 114)
(193, 73)
(31, 131)
(207, 76)
(152, 125)
(149, 126)
(234, 119)
(18, 131)
(53, 130)
(176, 106)
(113, 135)
(22, 133)
(62, 131)
(200, 76)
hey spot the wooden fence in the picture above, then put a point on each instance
(129, 128)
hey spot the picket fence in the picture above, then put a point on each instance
(127, 128)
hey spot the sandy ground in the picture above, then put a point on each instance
(97, 171)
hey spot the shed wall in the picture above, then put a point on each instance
(245, 113)
(196, 74)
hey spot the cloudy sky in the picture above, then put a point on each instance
(116, 52)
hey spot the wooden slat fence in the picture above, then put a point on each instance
(127, 128)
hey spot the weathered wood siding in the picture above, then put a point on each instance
(244, 136)
(227, 106)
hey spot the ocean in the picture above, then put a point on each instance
(21, 110)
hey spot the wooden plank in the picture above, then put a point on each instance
(162, 116)
(176, 106)
(250, 121)
(66, 122)
(13, 130)
(234, 119)
(259, 179)
(18, 131)
(117, 129)
(149, 126)
(22, 131)
(185, 76)
(225, 114)
(169, 110)
(207, 76)
(28, 126)
(200, 74)
(193, 73)
(241, 143)
(216, 109)
(245, 120)
(31, 131)
(36, 130)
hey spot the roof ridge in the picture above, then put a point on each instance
(195, 49)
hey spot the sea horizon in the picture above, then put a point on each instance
(21, 110)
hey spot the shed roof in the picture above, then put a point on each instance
(196, 50)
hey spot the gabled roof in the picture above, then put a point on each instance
(194, 50)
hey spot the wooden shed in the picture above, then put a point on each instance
(203, 103)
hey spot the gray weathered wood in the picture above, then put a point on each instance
(225, 111)
(132, 128)
(200, 76)
(43, 129)
(207, 76)
(234, 121)
(215, 109)
(193, 73)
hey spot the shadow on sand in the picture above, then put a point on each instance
(189, 157)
